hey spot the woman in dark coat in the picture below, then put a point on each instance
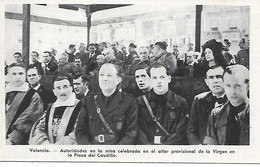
(212, 54)
(110, 116)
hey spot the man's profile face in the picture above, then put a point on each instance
(110, 55)
(73, 50)
(124, 49)
(242, 43)
(101, 46)
(142, 79)
(236, 88)
(155, 51)
(16, 76)
(33, 77)
(100, 59)
(160, 80)
(214, 80)
(62, 89)
(79, 87)
(62, 60)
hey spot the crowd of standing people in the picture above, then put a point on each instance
(86, 104)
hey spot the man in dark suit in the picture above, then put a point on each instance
(89, 59)
(49, 65)
(191, 68)
(119, 55)
(132, 55)
(36, 63)
(71, 51)
(204, 103)
(163, 57)
(46, 95)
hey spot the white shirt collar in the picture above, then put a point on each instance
(22, 88)
(68, 103)
(85, 94)
(191, 64)
(37, 87)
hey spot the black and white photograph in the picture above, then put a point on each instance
(122, 81)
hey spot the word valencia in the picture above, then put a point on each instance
(39, 150)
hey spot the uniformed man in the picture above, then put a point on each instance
(229, 123)
(141, 61)
(111, 58)
(204, 103)
(163, 57)
(162, 115)
(23, 106)
(56, 125)
(109, 117)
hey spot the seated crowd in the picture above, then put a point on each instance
(87, 101)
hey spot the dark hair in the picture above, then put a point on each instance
(71, 46)
(48, 52)
(141, 67)
(163, 45)
(17, 53)
(63, 77)
(132, 45)
(214, 67)
(243, 40)
(158, 65)
(36, 53)
(216, 48)
(15, 65)
(84, 77)
(34, 69)
(227, 42)
(92, 44)
(104, 43)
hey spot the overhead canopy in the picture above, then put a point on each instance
(89, 8)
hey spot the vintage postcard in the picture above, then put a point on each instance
(130, 81)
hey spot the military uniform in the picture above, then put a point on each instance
(167, 59)
(243, 57)
(136, 63)
(171, 111)
(229, 125)
(119, 111)
(199, 114)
